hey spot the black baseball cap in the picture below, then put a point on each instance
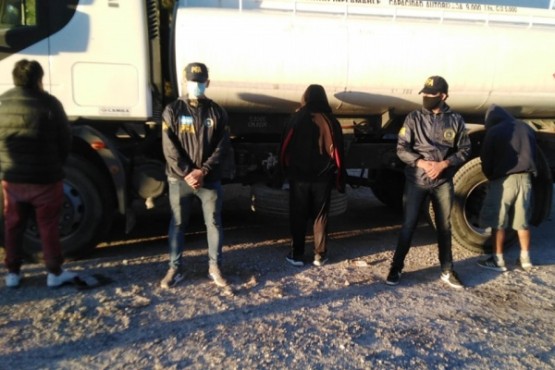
(435, 85)
(196, 72)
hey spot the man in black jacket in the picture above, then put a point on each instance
(195, 141)
(35, 140)
(432, 143)
(508, 160)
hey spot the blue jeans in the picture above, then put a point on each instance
(181, 197)
(413, 199)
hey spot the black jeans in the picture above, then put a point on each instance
(309, 201)
(413, 200)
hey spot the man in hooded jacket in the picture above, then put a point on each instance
(508, 158)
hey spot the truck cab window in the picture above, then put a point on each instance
(30, 22)
(16, 13)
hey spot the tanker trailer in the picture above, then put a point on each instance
(372, 56)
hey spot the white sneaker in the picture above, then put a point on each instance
(524, 264)
(54, 281)
(216, 276)
(13, 279)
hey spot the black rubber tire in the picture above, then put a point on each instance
(388, 187)
(470, 189)
(87, 212)
(271, 201)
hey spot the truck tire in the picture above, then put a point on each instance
(87, 213)
(270, 201)
(470, 189)
(388, 187)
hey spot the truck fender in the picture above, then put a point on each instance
(111, 161)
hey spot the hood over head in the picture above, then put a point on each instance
(495, 114)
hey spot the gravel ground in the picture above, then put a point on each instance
(339, 316)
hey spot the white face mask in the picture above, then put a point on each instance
(195, 89)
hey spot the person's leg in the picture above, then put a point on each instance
(524, 236)
(211, 196)
(413, 198)
(321, 192)
(495, 215)
(498, 239)
(180, 197)
(299, 206)
(442, 201)
(521, 219)
(48, 200)
(15, 219)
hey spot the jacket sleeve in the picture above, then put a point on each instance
(463, 148)
(339, 156)
(64, 131)
(176, 158)
(486, 155)
(221, 140)
(286, 136)
(405, 142)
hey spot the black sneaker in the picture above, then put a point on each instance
(491, 264)
(173, 276)
(393, 277)
(294, 261)
(451, 278)
(319, 260)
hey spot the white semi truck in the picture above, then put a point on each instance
(114, 64)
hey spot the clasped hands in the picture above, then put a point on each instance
(433, 169)
(194, 179)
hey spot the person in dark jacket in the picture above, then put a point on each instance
(195, 140)
(35, 140)
(311, 156)
(432, 143)
(508, 158)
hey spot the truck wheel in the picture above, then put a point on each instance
(87, 212)
(388, 187)
(470, 190)
(275, 202)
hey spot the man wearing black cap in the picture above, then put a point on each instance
(432, 143)
(195, 141)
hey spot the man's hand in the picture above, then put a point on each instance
(433, 169)
(195, 179)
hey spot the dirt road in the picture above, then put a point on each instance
(339, 316)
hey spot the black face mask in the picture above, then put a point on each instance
(432, 102)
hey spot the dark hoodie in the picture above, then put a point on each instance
(311, 148)
(509, 145)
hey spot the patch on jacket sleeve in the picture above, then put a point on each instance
(186, 125)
